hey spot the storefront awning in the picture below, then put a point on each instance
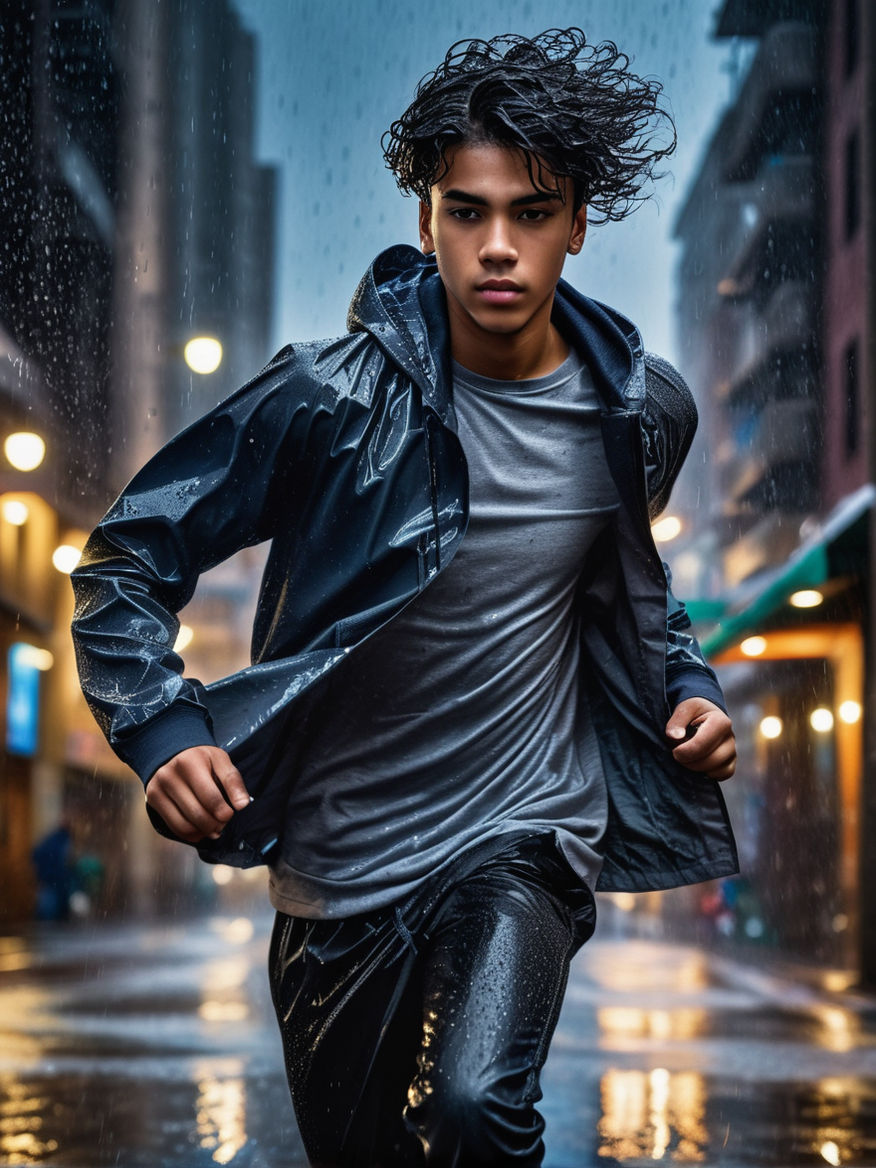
(838, 548)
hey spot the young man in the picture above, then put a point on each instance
(473, 697)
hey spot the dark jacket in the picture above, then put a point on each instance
(344, 454)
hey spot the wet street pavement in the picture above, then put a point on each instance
(155, 1046)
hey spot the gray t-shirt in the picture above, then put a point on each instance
(459, 720)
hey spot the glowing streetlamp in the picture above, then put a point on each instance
(771, 726)
(203, 354)
(821, 720)
(850, 712)
(65, 557)
(15, 512)
(667, 528)
(24, 450)
(183, 638)
(806, 598)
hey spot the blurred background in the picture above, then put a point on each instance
(187, 185)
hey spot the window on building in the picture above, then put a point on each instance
(852, 394)
(853, 183)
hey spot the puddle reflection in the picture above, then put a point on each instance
(839, 1029)
(653, 1114)
(630, 1022)
(21, 1123)
(220, 1110)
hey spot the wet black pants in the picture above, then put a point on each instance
(416, 1035)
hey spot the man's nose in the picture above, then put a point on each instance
(498, 244)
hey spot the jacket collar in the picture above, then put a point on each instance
(401, 302)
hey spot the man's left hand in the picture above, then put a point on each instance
(705, 736)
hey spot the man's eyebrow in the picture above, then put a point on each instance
(524, 200)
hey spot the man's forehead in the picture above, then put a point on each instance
(499, 170)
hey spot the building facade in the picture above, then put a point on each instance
(131, 221)
(772, 312)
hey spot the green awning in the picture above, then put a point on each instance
(839, 549)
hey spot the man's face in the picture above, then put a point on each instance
(499, 241)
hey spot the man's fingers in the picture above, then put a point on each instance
(231, 781)
(197, 792)
(717, 761)
(188, 826)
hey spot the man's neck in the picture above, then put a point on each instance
(504, 357)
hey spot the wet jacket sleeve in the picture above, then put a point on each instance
(213, 490)
(669, 422)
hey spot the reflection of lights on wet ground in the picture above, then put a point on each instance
(223, 979)
(215, 1011)
(227, 973)
(831, 1153)
(630, 967)
(221, 1114)
(839, 1028)
(236, 932)
(617, 1023)
(653, 1114)
(21, 1118)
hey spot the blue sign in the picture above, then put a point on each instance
(23, 701)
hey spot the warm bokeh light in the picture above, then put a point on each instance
(24, 450)
(183, 638)
(15, 512)
(771, 726)
(753, 646)
(222, 874)
(830, 1152)
(40, 659)
(806, 598)
(666, 528)
(850, 712)
(66, 557)
(203, 354)
(821, 720)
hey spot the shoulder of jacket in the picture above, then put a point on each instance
(665, 387)
(333, 367)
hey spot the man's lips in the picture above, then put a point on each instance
(499, 291)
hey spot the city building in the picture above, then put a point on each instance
(772, 314)
(134, 219)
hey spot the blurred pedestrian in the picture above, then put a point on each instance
(53, 864)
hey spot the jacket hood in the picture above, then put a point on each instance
(401, 302)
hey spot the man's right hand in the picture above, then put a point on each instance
(197, 792)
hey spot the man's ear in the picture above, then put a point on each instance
(427, 243)
(579, 230)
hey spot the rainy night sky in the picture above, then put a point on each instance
(334, 75)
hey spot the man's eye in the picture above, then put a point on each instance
(533, 215)
(466, 214)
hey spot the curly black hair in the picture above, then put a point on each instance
(574, 109)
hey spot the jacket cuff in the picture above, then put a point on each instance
(694, 683)
(159, 739)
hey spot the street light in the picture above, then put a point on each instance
(821, 720)
(667, 528)
(183, 638)
(771, 726)
(203, 354)
(15, 512)
(65, 557)
(24, 450)
(806, 598)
